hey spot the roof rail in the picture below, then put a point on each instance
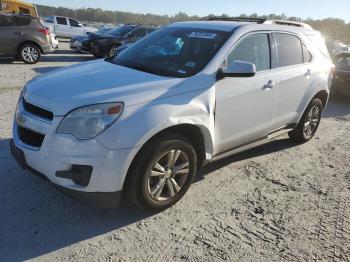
(288, 23)
(236, 19)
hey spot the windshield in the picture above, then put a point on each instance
(103, 30)
(173, 52)
(121, 31)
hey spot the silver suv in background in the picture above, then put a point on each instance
(24, 37)
(146, 120)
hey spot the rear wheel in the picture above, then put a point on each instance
(309, 122)
(29, 53)
(163, 173)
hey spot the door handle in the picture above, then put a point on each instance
(308, 72)
(269, 85)
(18, 33)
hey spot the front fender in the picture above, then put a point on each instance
(141, 122)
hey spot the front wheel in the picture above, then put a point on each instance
(163, 173)
(309, 122)
(113, 51)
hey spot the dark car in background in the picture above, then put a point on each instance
(25, 37)
(341, 82)
(106, 45)
(77, 41)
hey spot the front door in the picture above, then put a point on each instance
(244, 106)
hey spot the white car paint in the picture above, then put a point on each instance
(67, 29)
(229, 112)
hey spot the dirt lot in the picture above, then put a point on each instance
(279, 202)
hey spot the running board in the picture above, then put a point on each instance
(254, 143)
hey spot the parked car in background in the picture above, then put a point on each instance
(66, 27)
(106, 45)
(145, 121)
(341, 82)
(346, 49)
(54, 40)
(77, 41)
(18, 7)
(24, 37)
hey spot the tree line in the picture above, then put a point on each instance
(330, 27)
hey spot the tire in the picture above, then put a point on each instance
(309, 122)
(113, 51)
(29, 53)
(151, 184)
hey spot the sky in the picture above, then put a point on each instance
(316, 9)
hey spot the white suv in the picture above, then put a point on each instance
(145, 121)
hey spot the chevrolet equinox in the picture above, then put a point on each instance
(145, 122)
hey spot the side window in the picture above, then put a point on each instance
(306, 55)
(139, 32)
(253, 49)
(49, 19)
(61, 20)
(73, 22)
(6, 20)
(22, 21)
(289, 50)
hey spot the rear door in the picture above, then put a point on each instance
(62, 29)
(294, 73)
(8, 35)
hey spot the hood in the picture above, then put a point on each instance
(98, 81)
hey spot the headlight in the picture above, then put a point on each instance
(89, 121)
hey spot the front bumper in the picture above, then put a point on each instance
(105, 200)
(59, 153)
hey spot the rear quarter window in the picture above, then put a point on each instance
(289, 50)
(6, 20)
(22, 21)
(319, 43)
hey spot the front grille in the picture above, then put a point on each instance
(37, 111)
(30, 137)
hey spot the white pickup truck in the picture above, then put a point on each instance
(66, 27)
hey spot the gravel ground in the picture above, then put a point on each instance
(278, 202)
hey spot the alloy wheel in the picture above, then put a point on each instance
(312, 120)
(168, 175)
(113, 52)
(30, 54)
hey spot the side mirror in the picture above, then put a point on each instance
(237, 69)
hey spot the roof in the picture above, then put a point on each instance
(229, 26)
(213, 25)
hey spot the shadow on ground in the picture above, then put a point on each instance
(338, 106)
(39, 219)
(44, 70)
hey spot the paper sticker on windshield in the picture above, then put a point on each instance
(203, 35)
